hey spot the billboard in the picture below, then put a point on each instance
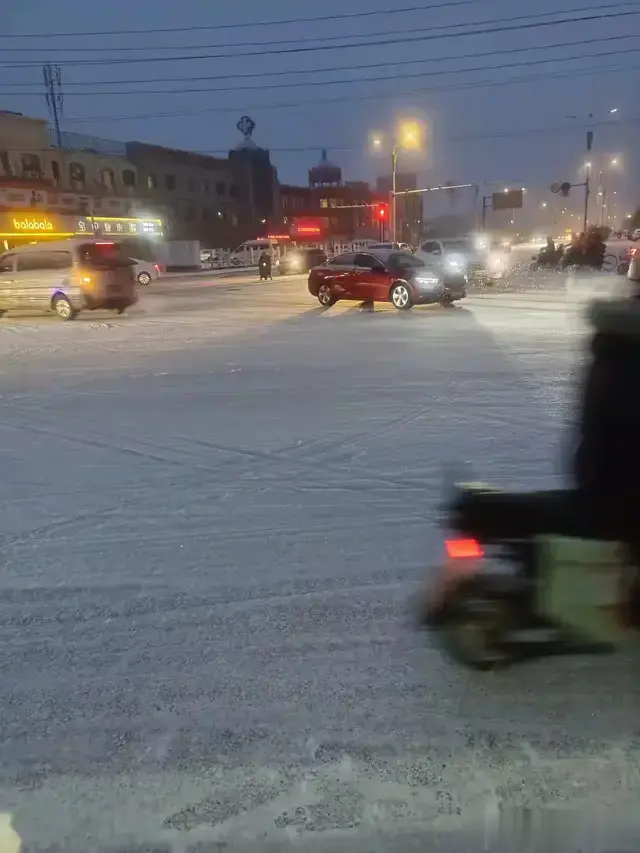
(507, 200)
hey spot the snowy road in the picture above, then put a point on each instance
(213, 521)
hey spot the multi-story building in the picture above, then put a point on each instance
(218, 201)
(35, 174)
(328, 208)
(196, 192)
(408, 207)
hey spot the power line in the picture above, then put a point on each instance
(352, 67)
(366, 79)
(339, 17)
(352, 98)
(318, 39)
(373, 43)
(464, 137)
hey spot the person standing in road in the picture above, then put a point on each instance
(264, 265)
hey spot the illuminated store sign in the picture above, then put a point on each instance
(119, 226)
(32, 225)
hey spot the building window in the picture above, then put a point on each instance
(128, 177)
(221, 188)
(108, 179)
(324, 202)
(77, 175)
(152, 181)
(205, 187)
(55, 171)
(31, 167)
(234, 220)
(333, 202)
(170, 182)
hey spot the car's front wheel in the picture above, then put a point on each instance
(63, 308)
(325, 296)
(401, 297)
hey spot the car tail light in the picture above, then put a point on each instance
(633, 252)
(463, 549)
(156, 267)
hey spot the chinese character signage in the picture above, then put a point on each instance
(114, 226)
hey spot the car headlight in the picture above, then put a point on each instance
(496, 261)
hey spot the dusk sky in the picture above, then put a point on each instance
(116, 86)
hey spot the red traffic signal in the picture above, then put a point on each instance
(383, 212)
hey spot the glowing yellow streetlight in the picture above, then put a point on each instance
(409, 136)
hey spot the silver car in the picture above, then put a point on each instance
(145, 271)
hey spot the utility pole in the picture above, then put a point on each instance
(394, 204)
(587, 182)
(52, 75)
(485, 199)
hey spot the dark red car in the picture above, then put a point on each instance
(385, 275)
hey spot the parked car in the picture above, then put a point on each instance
(66, 276)
(381, 275)
(300, 261)
(145, 272)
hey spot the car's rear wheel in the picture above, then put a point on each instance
(325, 296)
(144, 278)
(401, 296)
(63, 308)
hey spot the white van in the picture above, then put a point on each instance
(247, 254)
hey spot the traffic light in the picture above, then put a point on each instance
(383, 212)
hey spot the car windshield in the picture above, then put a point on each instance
(463, 246)
(405, 261)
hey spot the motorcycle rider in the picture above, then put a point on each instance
(595, 248)
(603, 498)
(547, 255)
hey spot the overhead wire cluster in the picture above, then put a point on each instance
(626, 10)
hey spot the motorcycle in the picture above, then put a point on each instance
(546, 260)
(488, 613)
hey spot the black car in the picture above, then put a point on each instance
(301, 261)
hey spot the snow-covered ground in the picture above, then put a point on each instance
(213, 522)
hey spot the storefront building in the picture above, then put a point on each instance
(20, 227)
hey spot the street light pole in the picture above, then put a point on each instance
(587, 193)
(394, 168)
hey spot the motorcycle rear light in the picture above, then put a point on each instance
(463, 549)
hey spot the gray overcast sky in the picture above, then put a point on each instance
(508, 108)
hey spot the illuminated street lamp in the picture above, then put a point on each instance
(409, 136)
